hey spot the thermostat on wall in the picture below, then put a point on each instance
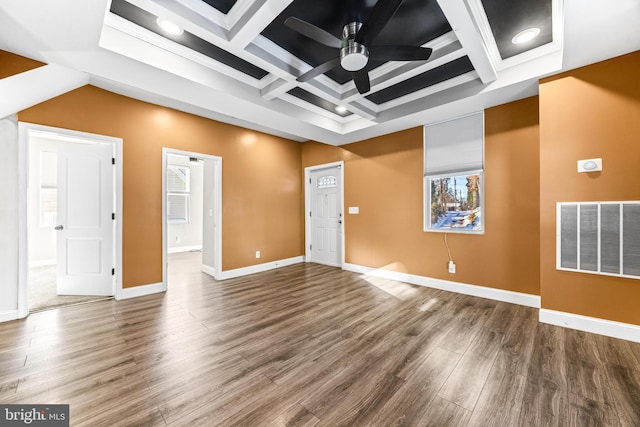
(590, 165)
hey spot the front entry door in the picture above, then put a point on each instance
(85, 224)
(326, 216)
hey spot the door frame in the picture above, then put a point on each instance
(25, 130)
(217, 218)
(307, 207)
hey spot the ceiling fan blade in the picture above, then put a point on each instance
(361, 79)
(313, 32)
(376, 20)
(399, 53)
(320, 69)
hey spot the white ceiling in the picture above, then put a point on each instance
(121, 57)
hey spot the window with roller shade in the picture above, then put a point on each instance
(454, 175)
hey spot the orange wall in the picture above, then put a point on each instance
(585, 113)
(261, 186)
(383, 176)
(11, 64)
(530, 165)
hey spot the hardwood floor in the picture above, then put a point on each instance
(313, 345)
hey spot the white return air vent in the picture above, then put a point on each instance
(599, 238)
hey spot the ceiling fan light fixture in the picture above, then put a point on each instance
(353, 55)
(169, 27)
(526, 35)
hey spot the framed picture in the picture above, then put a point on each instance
(455, 202)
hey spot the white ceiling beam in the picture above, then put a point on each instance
(470, 38)
(277, 88)
(32, 87)
(256, 19)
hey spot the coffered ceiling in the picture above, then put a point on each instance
(236, 60)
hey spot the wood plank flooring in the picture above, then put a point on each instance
(310, 345)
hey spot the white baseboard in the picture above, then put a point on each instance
(208, 270)
(43, 263)
(446, 285)
(229, 274)
(179, 249)
(625, 331)
(139, 291)
(8, 316)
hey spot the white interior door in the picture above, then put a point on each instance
(326, 216)
(85, 227)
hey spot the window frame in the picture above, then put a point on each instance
(186, 194)
(428, 226)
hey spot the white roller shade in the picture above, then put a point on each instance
(454, 145)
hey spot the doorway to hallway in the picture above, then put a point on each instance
(69, 225)
(192, 217)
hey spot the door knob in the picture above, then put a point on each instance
(58, 227)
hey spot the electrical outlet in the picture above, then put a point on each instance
(177, 239)
(257, 254)
(452, 267)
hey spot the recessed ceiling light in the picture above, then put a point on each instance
(169, 27)
(525, 35)
(341, 109)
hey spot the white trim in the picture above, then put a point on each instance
(43, 263)
(179, 249)
(259, 268)
(519, 298)
(25, 130)
(307, 207)
(208, 270)
(609, 328)
(217, 161)
(9, 315)
(140, 291)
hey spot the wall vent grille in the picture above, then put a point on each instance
(599, 238)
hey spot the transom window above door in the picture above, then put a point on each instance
(326, 181)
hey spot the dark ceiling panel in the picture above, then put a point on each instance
(415, 23)
(316, 100)
(223, 6)
(429, 78)
(507, 18)
(147, 20)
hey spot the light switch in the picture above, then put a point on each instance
(354, 210)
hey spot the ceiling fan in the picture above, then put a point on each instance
(355, 45)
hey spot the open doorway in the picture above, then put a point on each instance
(192, 194)
(68, 220)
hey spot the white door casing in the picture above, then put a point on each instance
(325, 215)
(85, 225)
(212, 222)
